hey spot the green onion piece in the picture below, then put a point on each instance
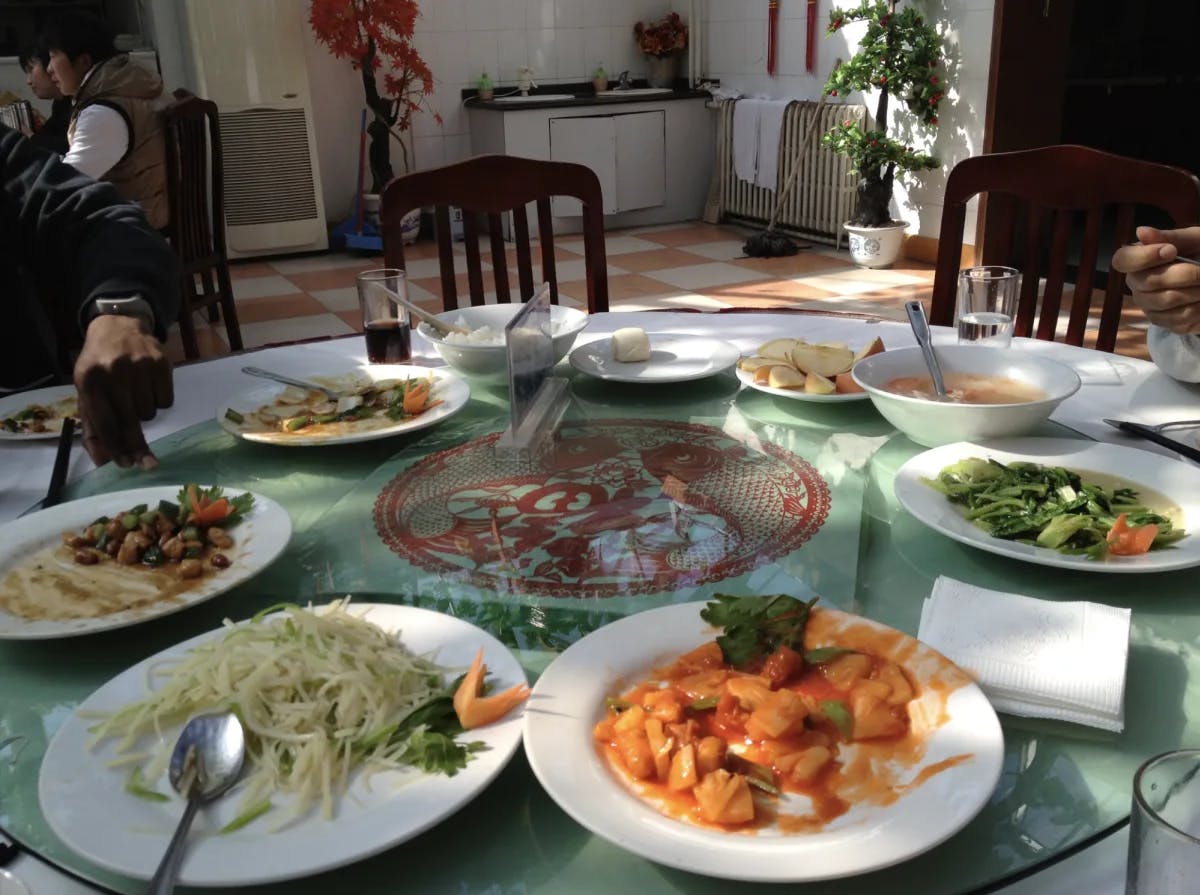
(233, 416)
(129, 521)
(249, 815)
(617, 705)
(136, 786)
(835, 710)
(703, 704)
(757, 775)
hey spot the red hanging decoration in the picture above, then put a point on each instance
(810, 50)
(772, 40)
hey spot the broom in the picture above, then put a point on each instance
(768, 243)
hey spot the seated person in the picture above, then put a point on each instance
(1169, 292)
(115, 132)
(52, 134)
(84, 274)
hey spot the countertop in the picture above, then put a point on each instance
(583, 95)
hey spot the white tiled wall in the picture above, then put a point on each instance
(561, 40)
(736, 40)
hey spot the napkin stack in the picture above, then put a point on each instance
(1035, 658)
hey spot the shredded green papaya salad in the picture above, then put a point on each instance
(1052, 507)
(319, 696)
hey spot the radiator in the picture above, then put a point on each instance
(823, 197)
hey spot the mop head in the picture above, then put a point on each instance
(770, 244)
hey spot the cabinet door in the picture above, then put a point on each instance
(590, 141)
(641, 160)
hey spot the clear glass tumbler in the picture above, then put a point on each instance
(1164, 830)
(987, 304)
(385, 323)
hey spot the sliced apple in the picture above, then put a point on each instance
(846, 385)
(833, 345)
(751, 364)
(874, 347)
(785, 377)
(778, 349)
(824, 360)
(816, 384)
(763, 374)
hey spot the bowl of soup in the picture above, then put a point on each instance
(990, 392)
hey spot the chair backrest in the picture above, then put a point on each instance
(486, 187)
(195, 179)
(1070, 195)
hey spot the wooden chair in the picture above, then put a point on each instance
(1034, 193)
(196, 230)
(487, 186)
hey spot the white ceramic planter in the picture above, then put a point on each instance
(875, 246)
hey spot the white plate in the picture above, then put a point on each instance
(799, 394)
(13, 404)
(569, 699)
(452, 391)
(258, 540)
(672, 359)
(1171, 478)
(85, 803)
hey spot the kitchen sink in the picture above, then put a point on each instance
(634, 91)
(535, 98)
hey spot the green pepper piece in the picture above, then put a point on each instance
(129, 521)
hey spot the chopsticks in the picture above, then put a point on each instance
(62, 462)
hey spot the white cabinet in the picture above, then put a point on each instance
(627, 152)
(627, 145)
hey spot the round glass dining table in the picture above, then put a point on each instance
(434, 519)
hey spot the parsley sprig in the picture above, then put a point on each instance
(756, 626)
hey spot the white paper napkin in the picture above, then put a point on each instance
(1035, 658)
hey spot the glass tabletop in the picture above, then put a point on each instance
(654, 494)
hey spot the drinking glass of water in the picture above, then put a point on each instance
(987, 304)
(1164, 826)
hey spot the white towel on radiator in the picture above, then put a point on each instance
(770, 126)
(745, 138)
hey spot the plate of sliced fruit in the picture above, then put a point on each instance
(806, 371)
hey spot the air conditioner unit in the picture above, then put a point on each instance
(248, 58)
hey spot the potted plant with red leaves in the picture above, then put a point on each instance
(898, 56)
(376, 36)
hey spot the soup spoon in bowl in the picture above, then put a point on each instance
(920, 328)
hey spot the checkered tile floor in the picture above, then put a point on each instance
(674, 266)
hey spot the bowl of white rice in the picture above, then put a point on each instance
(481, 353)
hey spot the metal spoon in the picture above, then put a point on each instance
(920, 328)
(288, 380)
(441, 326)
(206, 761)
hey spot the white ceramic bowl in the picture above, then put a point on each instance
(490, 362)
(933, 423)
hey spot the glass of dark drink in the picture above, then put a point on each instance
(385, 323)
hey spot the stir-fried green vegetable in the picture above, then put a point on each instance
(1052, 507)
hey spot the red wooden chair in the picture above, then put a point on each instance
(1065, 192)
(486, 187)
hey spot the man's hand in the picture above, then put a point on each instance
(1169, 293)
(122, 377)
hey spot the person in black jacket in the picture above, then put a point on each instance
(52, 134)
(87, 279)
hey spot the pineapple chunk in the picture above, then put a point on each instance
(702, 658)
(702, 684)
(660, 747)
(892, 675)
(663, 705)
(683, 773)
(843, 671)
(872, 716)
(710, 755)
(631, 719)
(779, 714)
(724, 798)
(636, 754)
(804, 765)
(750, 691)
